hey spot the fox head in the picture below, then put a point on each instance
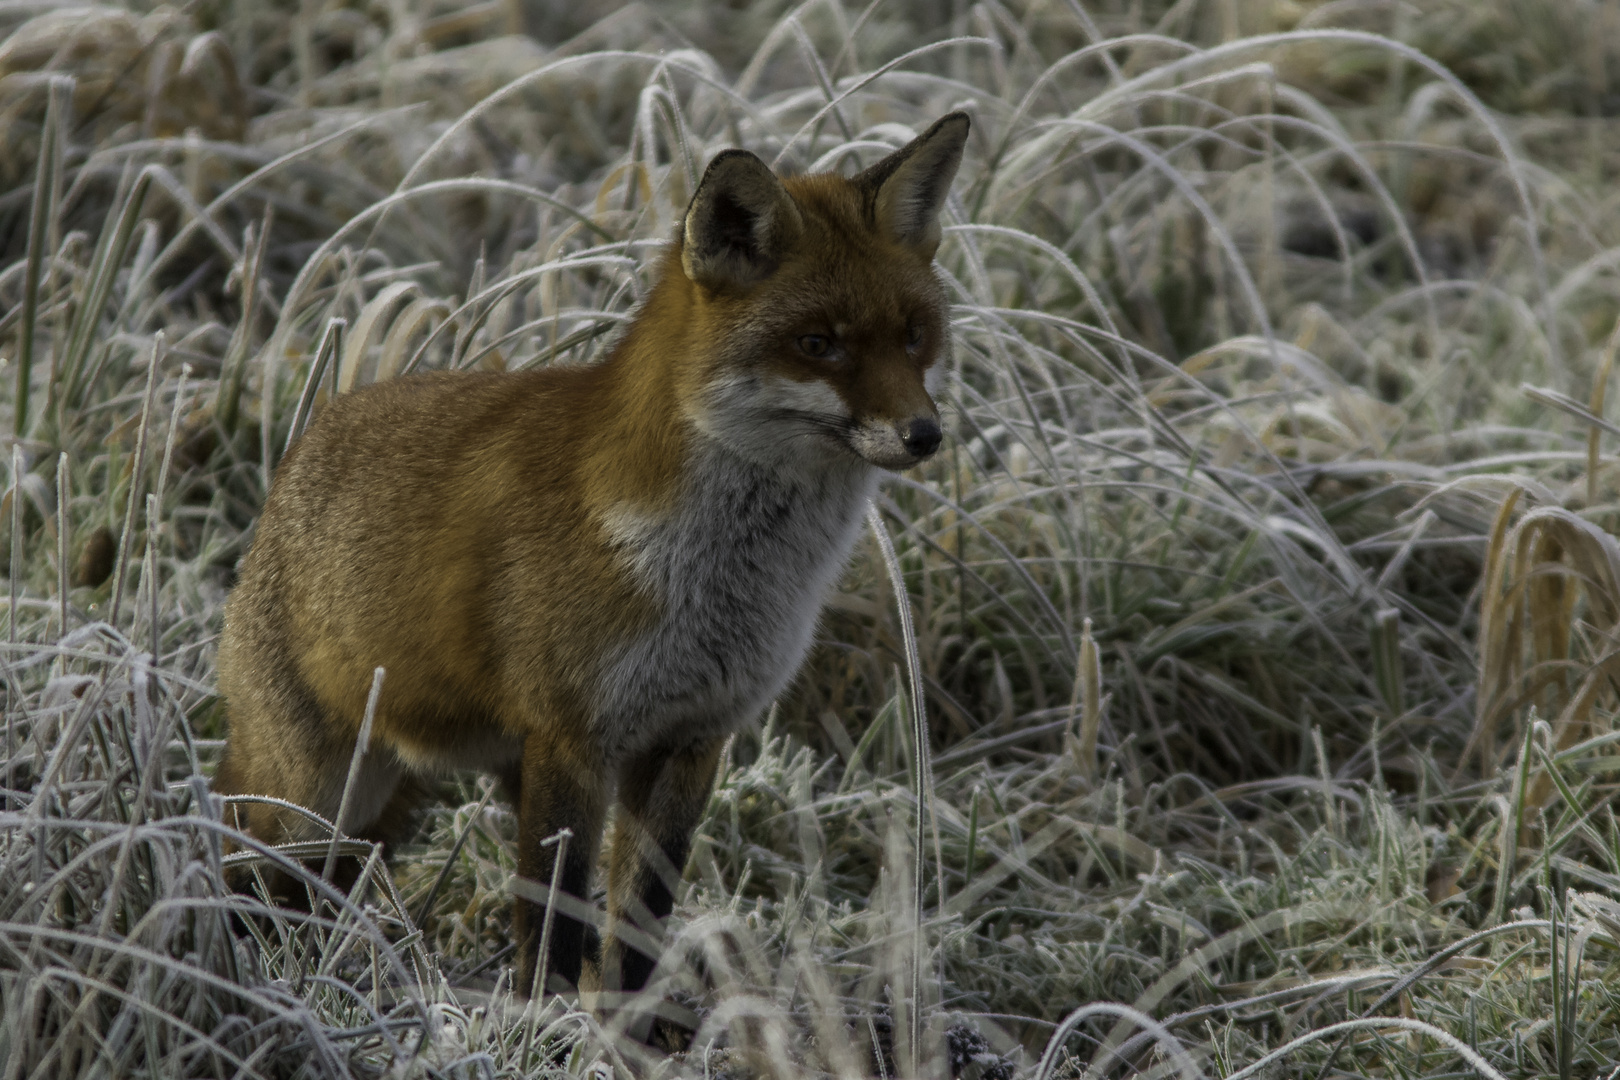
(826, 322)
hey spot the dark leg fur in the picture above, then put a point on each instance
(662, 796)
(562, 787)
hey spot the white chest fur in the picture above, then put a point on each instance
(739, 571)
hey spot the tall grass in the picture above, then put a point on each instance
(1252, 707)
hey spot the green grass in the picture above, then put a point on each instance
(1282, 331)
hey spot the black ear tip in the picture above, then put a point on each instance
(952, 119)
(726, 168)
(729, 159)
(733, 152)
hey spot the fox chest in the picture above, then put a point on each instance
(736, 577)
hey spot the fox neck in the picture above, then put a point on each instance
(733, 571)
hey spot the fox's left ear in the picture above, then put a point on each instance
(908, 187)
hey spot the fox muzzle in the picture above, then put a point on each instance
(891, 444)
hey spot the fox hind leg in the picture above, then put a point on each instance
(282, 744)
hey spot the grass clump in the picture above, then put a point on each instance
(1253, 713)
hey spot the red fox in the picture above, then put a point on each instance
(582, 579)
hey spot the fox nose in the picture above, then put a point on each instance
(921, 436)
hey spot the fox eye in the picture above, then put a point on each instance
(914, 335)
(816, 344)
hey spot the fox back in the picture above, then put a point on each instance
(582, 579)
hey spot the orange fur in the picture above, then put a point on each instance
(582, 578)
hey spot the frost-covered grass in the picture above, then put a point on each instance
(1262, 603)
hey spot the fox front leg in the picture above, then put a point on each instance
(564, 785)
(662, 796)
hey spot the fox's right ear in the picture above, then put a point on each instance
(740, 224)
